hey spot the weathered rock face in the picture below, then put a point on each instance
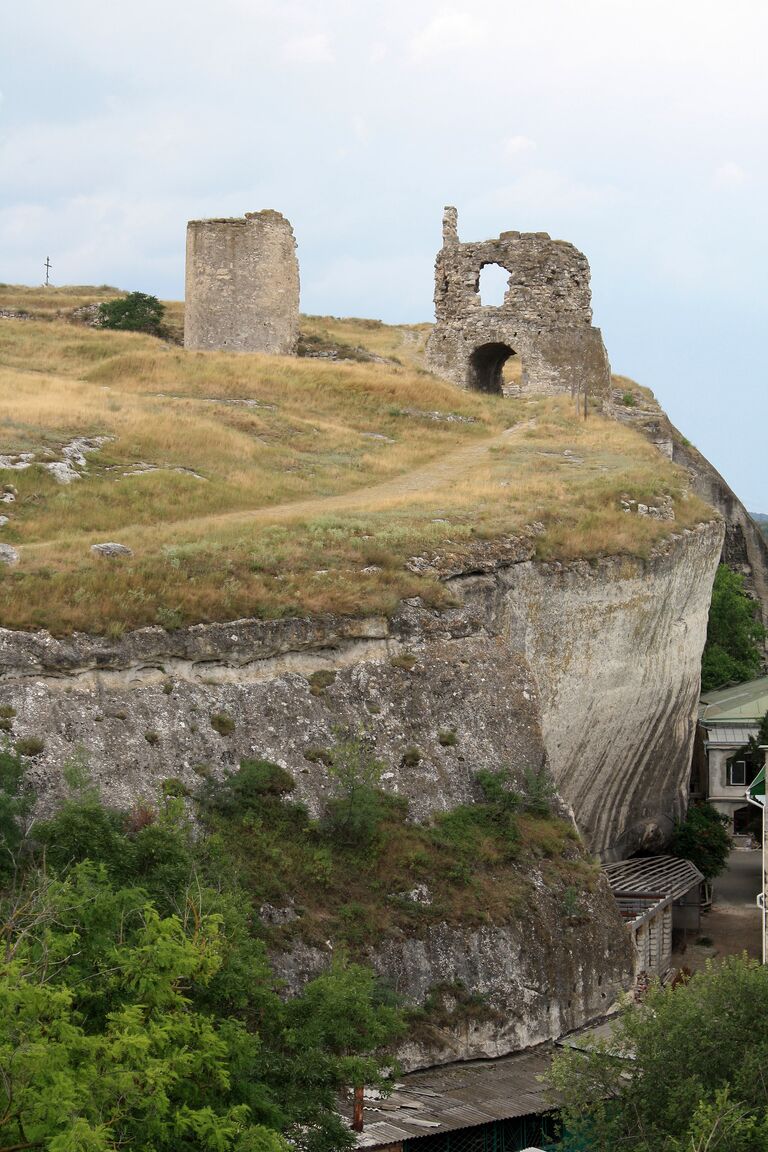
(545, 318)
(542, 974)
(616, 649)
(591, 670)
(242, 284)
(744, 546)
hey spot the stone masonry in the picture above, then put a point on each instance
(545, 318)
(242, 284)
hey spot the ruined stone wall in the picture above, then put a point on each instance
(242, 285)
(545, 318)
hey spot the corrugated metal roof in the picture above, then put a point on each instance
(727, 735)
(741, 702)
(663, 876)
(457, 1096)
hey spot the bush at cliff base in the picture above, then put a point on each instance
(703, 838)
(683, 1072)
(138, 1008)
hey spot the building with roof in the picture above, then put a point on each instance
(655, 895)
(727, 719)
(477, 1106)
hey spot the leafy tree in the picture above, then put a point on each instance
(685, 1072)
(732, 652)
(136, 312)
(703, 838)
(354, 816)
(15, 803)
(139, 1008)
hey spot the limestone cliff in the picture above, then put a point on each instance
(589, 669)
(744, 547)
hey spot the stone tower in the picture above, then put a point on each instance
(545, 318)
(242, 284)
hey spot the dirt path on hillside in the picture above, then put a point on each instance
(436, 474)
(433, 475)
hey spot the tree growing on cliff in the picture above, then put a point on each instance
(733, 651)
(684, 1072)
(138, 1008)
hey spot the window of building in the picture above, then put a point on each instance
(737, 772)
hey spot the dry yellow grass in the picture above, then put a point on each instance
(293, 476)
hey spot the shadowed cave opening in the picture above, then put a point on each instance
(486, 367)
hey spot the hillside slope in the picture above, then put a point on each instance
(264, 486)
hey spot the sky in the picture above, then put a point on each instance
(638, 131)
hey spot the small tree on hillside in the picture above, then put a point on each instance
(136, 312)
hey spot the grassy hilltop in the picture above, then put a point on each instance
(264, 486)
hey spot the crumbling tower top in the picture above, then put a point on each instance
(545, 318)
(242, 284)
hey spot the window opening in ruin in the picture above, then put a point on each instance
(492, 285)
(486, 367)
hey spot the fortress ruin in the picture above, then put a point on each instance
(242, 284)
(545, 318)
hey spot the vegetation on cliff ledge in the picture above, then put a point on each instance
(263, 486)
(138, 1007)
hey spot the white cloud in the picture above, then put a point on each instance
(451, 31)
(543, 193)
(516, 145)
(314, 49)
(730, 175)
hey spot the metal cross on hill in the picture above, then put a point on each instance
(47, 267)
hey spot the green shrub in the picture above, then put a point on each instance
(732, 653)
(7, 715)
(174, 787)
(404, 660)
(136, 312)
(539, 792)
(354, 816)
(318, 755)
(257, 786)
(320, 680)
(411, 758)
(447, 738)
(30, 746)
(629, 400)
(15, 803)
(222, 723)
(152, 738)
(703, 838)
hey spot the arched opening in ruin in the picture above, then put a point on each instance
(486, 367)
(492, 284)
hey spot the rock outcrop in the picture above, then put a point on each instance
(744, 546)
(589, 671)
(592, 668)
